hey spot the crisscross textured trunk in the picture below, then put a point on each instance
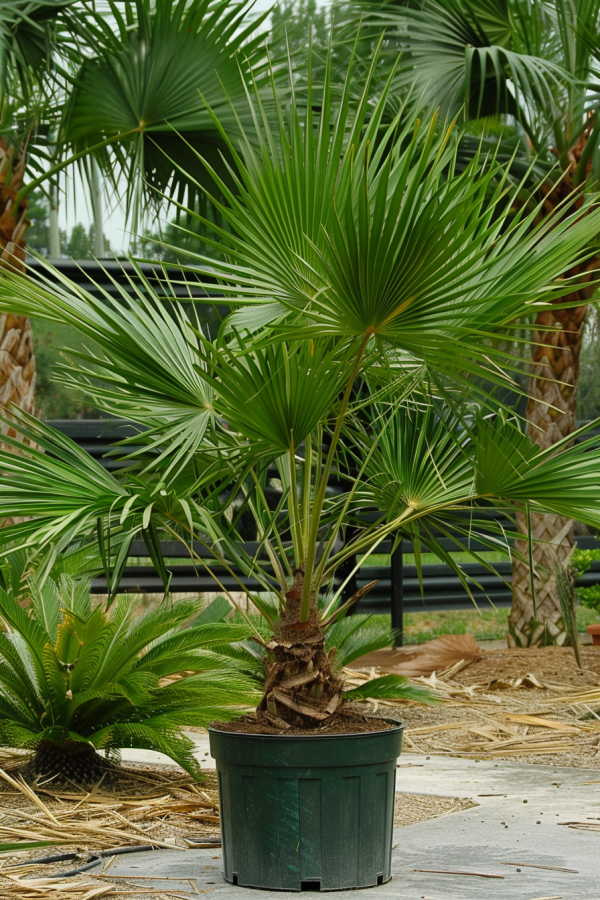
(552, 415)
(17, 362)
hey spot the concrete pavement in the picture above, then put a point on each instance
(516, 834)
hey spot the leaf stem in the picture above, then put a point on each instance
(294, 507)
(32, 185)
(324, 477)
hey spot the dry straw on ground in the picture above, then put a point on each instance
(156, 806)
(527, 705)
(534, 706)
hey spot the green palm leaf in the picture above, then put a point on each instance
(531, 63)
(277, 395)
(392, 687)
(563, 479)
(28, 845)
(145, 78)
(355, 636)
(397, 251)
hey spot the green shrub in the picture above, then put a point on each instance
(583, 559)
(76, 679)
(589, 596)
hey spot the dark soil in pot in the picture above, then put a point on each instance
(343, 722)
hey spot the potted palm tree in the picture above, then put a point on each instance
(369, 280)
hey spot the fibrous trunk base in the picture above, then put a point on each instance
(73, 761)
(302, 688)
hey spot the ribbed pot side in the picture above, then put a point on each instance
(307, 812)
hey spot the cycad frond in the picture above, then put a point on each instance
(71, 672)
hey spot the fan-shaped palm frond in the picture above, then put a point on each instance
(177, 406)
(151, 67)
(535, 63)
(31, 32)
(367, 236)
(278, 394)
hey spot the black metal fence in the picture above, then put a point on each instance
(398, 587)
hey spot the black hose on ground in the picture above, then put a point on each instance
(98, 856)
(96, 859)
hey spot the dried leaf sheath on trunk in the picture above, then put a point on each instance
(301, 687)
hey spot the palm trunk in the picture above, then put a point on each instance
(552, 415)
(301, 687)
(17, 362)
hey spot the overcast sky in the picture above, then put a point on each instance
(75, 206)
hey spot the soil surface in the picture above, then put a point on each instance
(548, 664)
(345, 722)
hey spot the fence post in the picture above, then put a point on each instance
(398, 595)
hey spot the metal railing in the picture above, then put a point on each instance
(398, 589)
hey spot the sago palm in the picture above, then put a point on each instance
(535, 66)
(77, 678)
(354, 251)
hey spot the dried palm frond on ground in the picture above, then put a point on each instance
(496, 708)
(423, 659)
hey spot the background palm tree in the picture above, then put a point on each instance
(32, 38)
(127, 90)
(535, 66)
(143, 92)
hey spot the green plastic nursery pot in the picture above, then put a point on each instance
(307, 812)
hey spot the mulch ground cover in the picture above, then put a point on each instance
(555, 665)
(531, 705)
(528, 705)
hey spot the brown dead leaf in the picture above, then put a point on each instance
(440, 654)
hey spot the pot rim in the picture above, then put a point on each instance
(398, 726)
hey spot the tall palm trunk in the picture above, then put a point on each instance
(17, 362)
(552, 416)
